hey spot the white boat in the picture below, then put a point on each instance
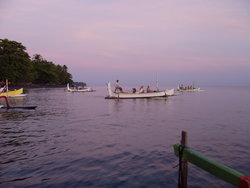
(79, 89)
(188, 89)
(128, 95)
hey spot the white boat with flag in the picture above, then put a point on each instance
(131, 95)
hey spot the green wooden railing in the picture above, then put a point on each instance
(223, 172)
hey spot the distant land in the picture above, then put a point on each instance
(21, 70)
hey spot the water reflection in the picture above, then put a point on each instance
(131, 105)
(17, 114)
(17, 100)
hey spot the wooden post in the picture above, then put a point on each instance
(184, 173)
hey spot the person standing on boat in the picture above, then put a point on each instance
(141, 89)
(149, 89)
(117, 86)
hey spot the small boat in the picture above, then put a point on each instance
(128, 95)
(4, 91)
(181, 88)
(79, 89)
(13, 93)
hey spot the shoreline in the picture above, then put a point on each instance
(31, 86)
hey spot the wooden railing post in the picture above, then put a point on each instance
(184, 172)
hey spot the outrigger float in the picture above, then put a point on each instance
(127, 95)
(15, 107)
(223, 172)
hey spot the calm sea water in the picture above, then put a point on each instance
(84, 140)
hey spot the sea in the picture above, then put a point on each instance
(85, 140)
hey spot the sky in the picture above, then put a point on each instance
(136, 41)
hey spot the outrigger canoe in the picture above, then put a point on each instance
(127, 95)
(84, 89)
(188, 88)
(13, 93)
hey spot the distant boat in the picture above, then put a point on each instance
(188, 88)
(4, 91)
(128, 95)
(79, 89)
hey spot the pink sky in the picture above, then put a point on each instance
(206, 42)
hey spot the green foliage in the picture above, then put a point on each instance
(14, 61)
(63, 74)
(17, 67)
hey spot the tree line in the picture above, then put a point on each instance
(19, 68)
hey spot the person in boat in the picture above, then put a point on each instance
(149, 89)
(133, 90)
(117, 86)
(141, 90)
(80, 87)
(2, 87)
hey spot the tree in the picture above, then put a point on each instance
(48, 73)
(14, 61)
(64, 76)
(17, 67)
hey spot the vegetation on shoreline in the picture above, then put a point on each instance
(17, 66)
